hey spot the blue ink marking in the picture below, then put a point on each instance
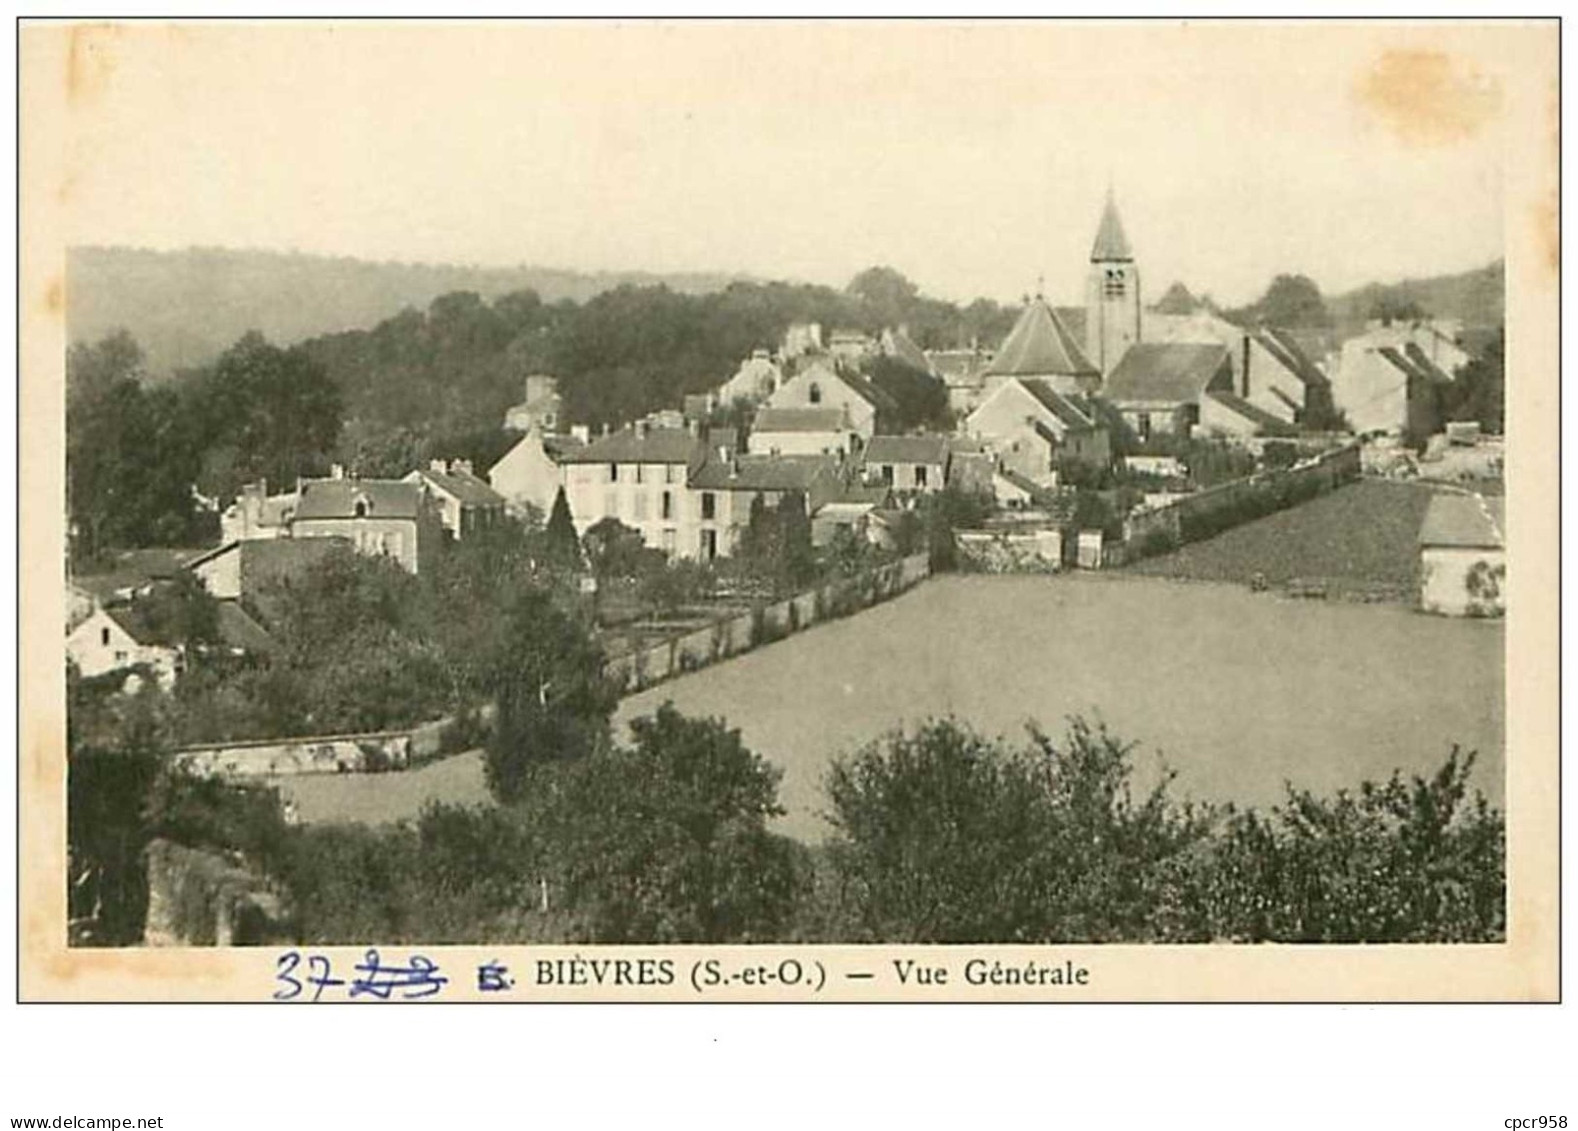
(319, 976)
(285, 967)
(420, 979)
(493, 977)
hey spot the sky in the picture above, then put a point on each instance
(974, 158)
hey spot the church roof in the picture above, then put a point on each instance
(1110, 243)
(1040, 345)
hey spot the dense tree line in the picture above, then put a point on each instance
(437, 383)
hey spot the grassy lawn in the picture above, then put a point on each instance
(1360, 540)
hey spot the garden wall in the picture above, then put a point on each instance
(317, 754)
(764, 624)
(1205, 513)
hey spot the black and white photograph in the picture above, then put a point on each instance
(529, 500)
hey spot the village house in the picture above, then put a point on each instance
(897, 344)
(964, 374)
(907, 463)
(117, 639)
(1229, 416)
(380, 517)
(851, 345)
(638, 476)
(466, 504)
(820, 385)
(1387, 377)
(726, 485)
(1158, 386)
(256, 514)
(542, 409)
(528, 476)
(243, 570)
(757, 378)
(826, 430)
(1030, 426)
(1271, 369)
(1462, 556)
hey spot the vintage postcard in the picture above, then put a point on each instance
(802, 511)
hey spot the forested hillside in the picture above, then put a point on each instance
(186, 307)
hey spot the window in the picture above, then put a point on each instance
(638, 473)
(104, 637)
(671, 473)
(120, 657)
(668, 540)
(641, 506)
(361, 508)
(920, 475)
(709, 545)
(816, 393)
(668, 504)
(709, 506)
(613, 473)
(887, 474)
(1113, 284)
(611, 504)
(1143, 426)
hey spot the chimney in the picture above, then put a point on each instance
(438, 466)
(605, 428)
(641, 429)
(581, 432)
(693, 426)
(460, 467)
(336, 471)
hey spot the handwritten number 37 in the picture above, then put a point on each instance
(291, 986)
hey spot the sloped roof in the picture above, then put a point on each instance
(133, 620)
(239, 630)
(470, 490)
(133, 569)
(1286, 349)
(959, 368)
(1470, 521)
(265, 558)
(631, 445)
(1165, 372)
(1057, 404)
(1413, 363)
(760, 473)
(1111, 242)
(1265, 422)
(1177, 299)
(337, 498)
(907, 449)
(899, 346)
(1040, 345)
(814, 419)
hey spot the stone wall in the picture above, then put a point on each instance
(764, 624)
(1205, 513)
(317, 754)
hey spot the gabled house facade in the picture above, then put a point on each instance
(389, 518)
(1030, 426)
(110, 640)
(638, 476)
(1386, 378)
(528, 475)
(819, 385)
(466, 504)
(907, 464)
(1158, 386)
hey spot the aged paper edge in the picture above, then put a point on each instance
(1525, 968)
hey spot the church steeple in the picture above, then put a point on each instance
(1112, 245)
(1112, 292)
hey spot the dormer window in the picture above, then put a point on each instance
(363, 507)
(816, 393)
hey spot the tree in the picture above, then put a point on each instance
(1479, 391)
(563, 547)
(667, 841)
(546, 679)
(1291, 302)
(922, 399)
(268, 413)
(613, 549)
(887, 295)
(131, 454)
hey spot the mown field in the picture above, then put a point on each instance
(1361, 540)
(375, 799)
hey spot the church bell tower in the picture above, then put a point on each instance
(1112, 294)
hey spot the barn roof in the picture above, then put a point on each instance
(1165, 372)
(1040, 345)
